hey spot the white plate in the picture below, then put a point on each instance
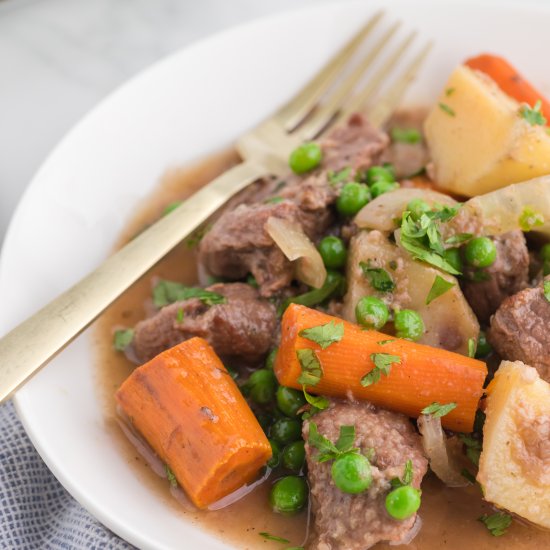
(191, 103)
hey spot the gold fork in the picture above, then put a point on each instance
(320, 105)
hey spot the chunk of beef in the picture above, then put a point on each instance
(357, 522)
(520, 329)
(508, 275)
(245, 327)
(238, 242)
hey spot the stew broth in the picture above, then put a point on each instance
(449, 516)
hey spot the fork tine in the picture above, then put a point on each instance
(358, 102)
(322, 116)
(291, 114)
(386, 106)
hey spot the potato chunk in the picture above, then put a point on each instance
(477, 139)
(514, 468)
(449, 320)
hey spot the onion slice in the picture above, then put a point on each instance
(381, 212)
(435, 447)
(296, 246)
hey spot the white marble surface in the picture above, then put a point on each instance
(58, 58)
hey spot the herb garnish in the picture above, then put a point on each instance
(473, 447)
(407, 476)
(382, 365)
(170, 476)
(122, 339)
(449, 91)
(196, 237)
(180, 315)
(317, 401)
(168, 292)
(340, 176)
(269, 536)
(384, 342)
(405, 135)
(533, 115)
(329, 450)
(529, 219)
(421, 237)
(459, 238)
(466, 474)
(445, 108)
(171, 207)
(324, 335)
(472, 345)
(379, 278)
(439, 287)
(274, 200)
(546, 290)
(497, 524)
(437, 410)
(311, 367)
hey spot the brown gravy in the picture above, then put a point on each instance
(449, 515)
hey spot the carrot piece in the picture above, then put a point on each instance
(509, 80)
(190, 411)
(423, 376)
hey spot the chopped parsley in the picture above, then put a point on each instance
(533, 115)
(317, 401)
(379, 278)
(407, 476)
(324, 335)
(196, 237)
(546, 290)
(170, 476)
(450, 91)
(329, 450)
(382, 365)
(437, 410)
(168, 292)
(421, 236)
(274, 200)
(472, 345)
(446, 109)
(311, 367)
(473, 447)
(406, 135)
(180, 315)
(529, 219)
(171, 207)
(122, 339)
(459, 238)
(384, 342)
(497, 524)
(269, 536)
(439, 287)
(340, 176)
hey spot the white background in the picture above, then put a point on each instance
(58, 58)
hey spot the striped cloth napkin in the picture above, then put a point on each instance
(36, 512)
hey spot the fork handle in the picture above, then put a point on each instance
(30, 345)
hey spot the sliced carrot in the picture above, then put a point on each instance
(422, 376)
(190, 411)
(509, 80)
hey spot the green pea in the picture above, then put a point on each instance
(289, 400)
(371, 312)
(417, 207)
(408, 324)
(270, 360)
(545, 252)
(306, 157)
(333, 251)
(286, 430)
(273, 462)
(352, 473)
(353, 196)
(380, 173)
(262, 385)
(403, 502)
(294, 456)
(480, 252)
(453, 257)
(288, 495)
(483, 347)
(382, 186)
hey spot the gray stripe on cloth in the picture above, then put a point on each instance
(36, 512)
